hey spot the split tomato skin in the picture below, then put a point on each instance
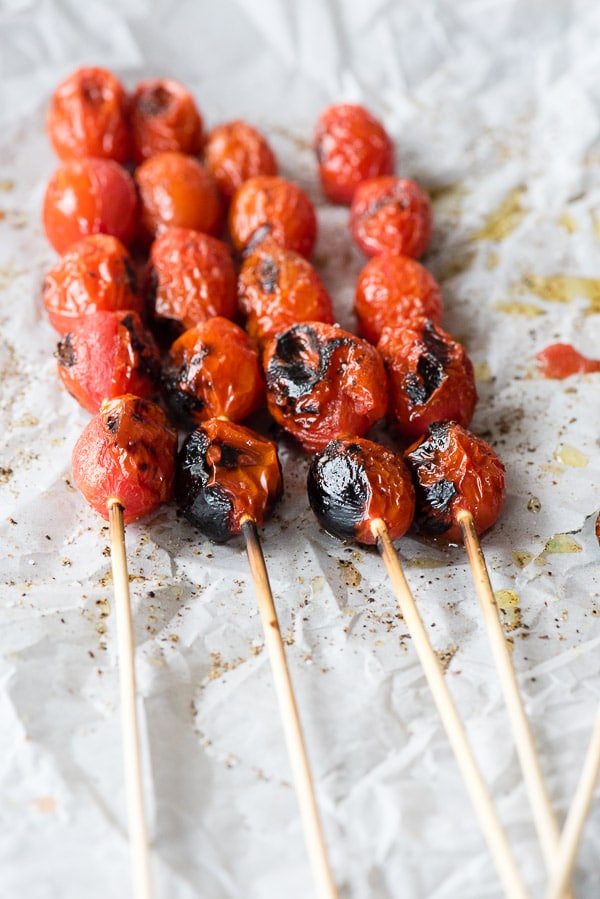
(94, 274)
(236, 151)
(353, 482)
(164, 117)
(390, 214)
(127, 452)
(89, 196)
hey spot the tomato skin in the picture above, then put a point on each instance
(236, 151)
(354, 481)
(561, 360)
(452, 470)
(431, 377)
(176, 190)
(323, 382)
(391, 214)
(94, 274)
(213, 370)
(269, 206)
(107, 354)
(164, 117)
(350, 145)
(277, 288)
(89, 196)
(126, 451)
(225, 471)
(88, 116)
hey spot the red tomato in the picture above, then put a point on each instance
(269, 206)
(234, 152)
(164, 116)
(561, 360)
(391, 214)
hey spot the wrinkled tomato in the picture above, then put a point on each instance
(234, 152)
(391, 214)
(269, 206)
(164, 117)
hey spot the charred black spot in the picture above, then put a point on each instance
(433, 501)
(301, 360)
(255, 239)
(130, 274)
(206, 506)
(112, 422)
(230, 455)
(148, 364)
(65, 352)
(431, 366)
(338, 488)
(268, 274)
(183, 406)
(154, 102)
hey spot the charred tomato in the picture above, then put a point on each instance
(164, 117)
(236, 151)
(391, 214)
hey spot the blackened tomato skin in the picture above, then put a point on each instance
(164, 117)
(391, 214)
(234, 152)
(453, 469)
(353, 482)
(127, 452)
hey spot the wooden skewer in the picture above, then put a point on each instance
(313, 832)
(138, 834)
(544, 818)
(564, 860)
(480, 797)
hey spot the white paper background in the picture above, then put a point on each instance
(487, 100)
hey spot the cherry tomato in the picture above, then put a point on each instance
(164, 117)
(234, 152)
(88, 116)
(213, 370)
(224, 473)
(353, 482)
(391, 214)
(277, 288)
(452, 470)
(350, 145)
(93, 275)
(127, 452)
(390, 290)
(107, 354)
(89, 196)
(323, 382)
(561, 360)
(430, 375)
(270, 206)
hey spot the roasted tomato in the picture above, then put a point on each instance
(350, 145)
(390, 290)
(225, 473)
(177, 191)
(126, 452)
(278, 288)
(164, 117)
(95, 274)
(190, 277)
(391, 214)
(213, 370)
(431, 378)
(234, 152)
(270, 206)
(89, 196)
(88, 116)
(452, 470)
(323, 382)
(107, 354)
(353, 482)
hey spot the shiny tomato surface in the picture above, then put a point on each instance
(269, 206)
(226, 472)
(277, 288)
(452, 470)
(391, 289)
(236, 151)
(350, 145)
(391, 214)
(88, 116)
(89, 196)
(323, 383)
(561, 360)
(164, 116)
(127, 452)
(107, 354)
(96, 273)
(213, 370)
(353, 482)
(431, 378)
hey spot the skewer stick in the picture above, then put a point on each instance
(564, 860)
(544, 818)
(477, 789)
(313, 833)
(138, 834)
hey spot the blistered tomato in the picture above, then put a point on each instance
(350, 145)
(164, 116)
(89, 196)
(234, 152)
(88, 116)
(391, 214)
(126, 452)
(269, 206)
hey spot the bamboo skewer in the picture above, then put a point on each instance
(138, 834)
(311, 822)
(478, 792)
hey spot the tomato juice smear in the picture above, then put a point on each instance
(561, 360)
